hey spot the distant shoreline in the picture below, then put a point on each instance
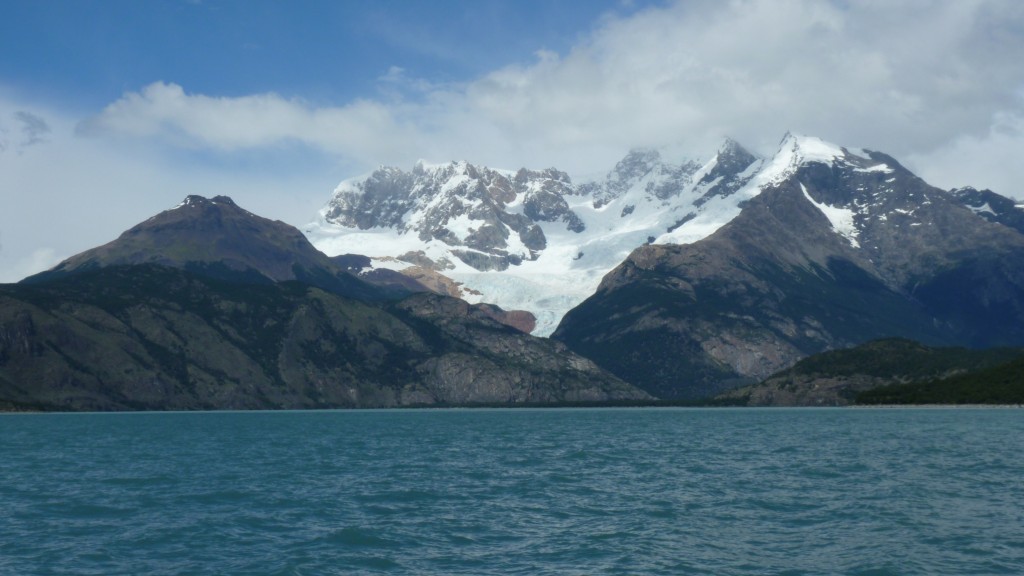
(930, 406)
(667, 404)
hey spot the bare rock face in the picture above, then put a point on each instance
(519, 319)
(545, 195)
(423, 279)
(531, 369)
(434, 281)
(461, 205)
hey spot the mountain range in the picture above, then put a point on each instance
(663, 279)
(688, 278)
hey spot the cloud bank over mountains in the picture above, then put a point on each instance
(913, 77)
(938, 84)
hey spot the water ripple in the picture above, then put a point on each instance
(514, 492)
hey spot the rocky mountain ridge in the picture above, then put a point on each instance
(992, 206)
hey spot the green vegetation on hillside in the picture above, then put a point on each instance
(1003, 384)
(908, 369)
(903, 359)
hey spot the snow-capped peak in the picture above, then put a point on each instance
(795, 151)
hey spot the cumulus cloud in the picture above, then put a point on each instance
(990, 160)
(362, 129)
(898, 76)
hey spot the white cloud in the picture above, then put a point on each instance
(66, 194)
(895, 76)
(992, 160)
(362, 130)
(36, 261)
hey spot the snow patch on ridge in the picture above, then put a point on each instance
(883, 168)
(840, 218)
(984, 209)
(188, 201)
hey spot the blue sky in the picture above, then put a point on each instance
(85, 54)
(111, 111)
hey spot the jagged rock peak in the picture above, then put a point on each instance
(194, 200)
(524, 175)
(531, 224)
(731, 150)
(991, 206)
(637, 162)
(728, 145)
(644, 167)
(796, 150)
(729, 162)
(824, 247)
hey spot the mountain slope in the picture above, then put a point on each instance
(839, 247)
(148, 337)
(217, 238)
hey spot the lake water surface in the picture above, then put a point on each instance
(523, 491)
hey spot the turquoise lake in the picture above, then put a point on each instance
(519, 491)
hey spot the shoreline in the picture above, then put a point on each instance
(5, 411)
